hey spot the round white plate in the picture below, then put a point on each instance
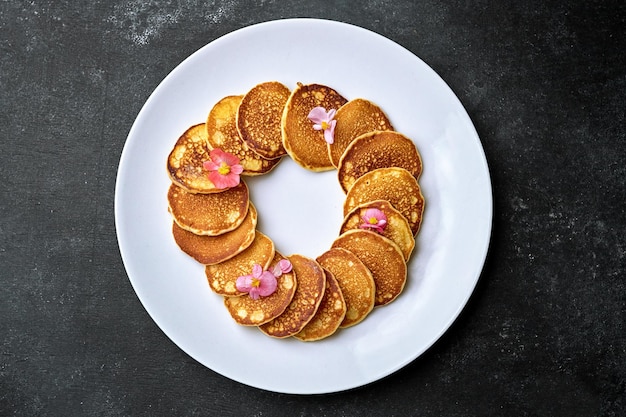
(301, 210)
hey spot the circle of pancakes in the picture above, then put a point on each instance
(378, 168)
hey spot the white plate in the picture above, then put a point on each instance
(451, 246)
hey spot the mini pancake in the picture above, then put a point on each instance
(397, 228)
(248, 312)
(354, 279)
(210, 250)
(222, 133)
(209, 214)
(377, 150)
(259, 116)
(184, 163)
(329, 315)
(223, 276)
(382, 257)
(395, 185)
(306, 300)
(355, 118)
(304, 144)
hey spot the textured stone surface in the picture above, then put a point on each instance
(544, 333)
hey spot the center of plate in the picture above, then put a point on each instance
(300, 210)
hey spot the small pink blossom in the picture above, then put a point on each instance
(323, 120)
(374, 219)
(224, 169)
(282, 267)
(258, 284)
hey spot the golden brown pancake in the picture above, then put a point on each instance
(259, 116)
(223, 276)
(395, 185)
(222, 133)
(377, 150)
(248, 312)
(306, 300)
(329, 315)
(382, 257)
(355, 118)
(354, 279)
(397, 228)
(305, 145)
(184, 163)
(210, 250)
(209, 214)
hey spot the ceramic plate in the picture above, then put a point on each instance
(301, 210)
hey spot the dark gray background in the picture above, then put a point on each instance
(543, 334)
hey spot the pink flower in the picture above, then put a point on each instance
(224, 169)
(282, 267)
(259, 284)
(324, 121)
(374, 219)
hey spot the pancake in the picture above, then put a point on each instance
(355, 281)
(377, 150)
(395, 185)
(210, 250)
(222, 133)
(305, 302)
(355, 118)
(248, 312)
(305, 145)
(184, 163)
(259, 116)
(382, 257)
(223, 276)
(329, 315)
(397, 228)
(209, 214)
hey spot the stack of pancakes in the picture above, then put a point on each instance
(378, 168)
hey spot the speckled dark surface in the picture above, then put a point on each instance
(543, 334)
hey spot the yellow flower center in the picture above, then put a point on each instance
(373, 220)
(256, 282)
(325, 125)
(224, 169)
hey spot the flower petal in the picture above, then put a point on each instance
(244, 283)
(329, 135)
(254, 293)
(318, 115)
(268, 284)
(285, 265)
(257, 271)
(331, 114)
(223, 181)
(217, 156)
(236, 169)
(210, 166)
